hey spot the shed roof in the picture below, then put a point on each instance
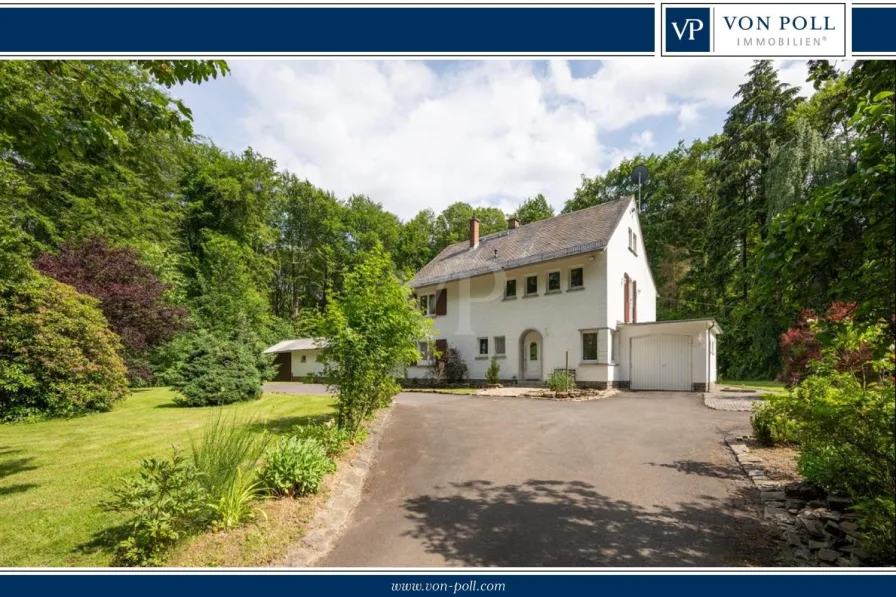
(293, 345)
(577, 232)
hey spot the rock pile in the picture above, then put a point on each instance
(817, 526)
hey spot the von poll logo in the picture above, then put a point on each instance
(755, 30)
(687, 29)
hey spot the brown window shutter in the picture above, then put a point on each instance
(625, 301)
(442, 348)
(634, 302)
(442, 303)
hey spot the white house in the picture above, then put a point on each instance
(297, 359)
(577, 286)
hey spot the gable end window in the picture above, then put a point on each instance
(428, 304)
(510, 289)
(554, 282)
(576, 278)
(531, 285)
(483, 347)
(635, 244)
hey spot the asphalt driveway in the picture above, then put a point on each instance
(641, 479)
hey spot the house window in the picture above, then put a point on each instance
(499, 345)
(428, 304)
(425, 349)
(483, 347)
(589, 346)
(613, 342)
(629, 239)
(533, 351)
(531, 285)
(635, 244)
(576, 278)
(304, 358)
(510, 289)
(554, 282)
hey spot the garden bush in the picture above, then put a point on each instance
(295, 467)
(58, 356)
(131, 296)
(560, 381)
(166, 501)
(218, 371)
(333, 438)
(844, 411)
(451, 367)
(493, 373)
(771, 425)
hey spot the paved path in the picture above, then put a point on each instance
(641, 479)
(296, 387)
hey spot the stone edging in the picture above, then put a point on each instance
(345, 495)
(817, 527)
(734, 403)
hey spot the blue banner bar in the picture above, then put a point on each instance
(874, 29)
(340, 31)
(462, 583)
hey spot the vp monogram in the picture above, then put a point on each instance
(691, 26)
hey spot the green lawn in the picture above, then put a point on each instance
(773, 387)
(53, 474)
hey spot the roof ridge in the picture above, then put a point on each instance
(552, 218)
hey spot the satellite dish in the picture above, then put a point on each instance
(640, 175)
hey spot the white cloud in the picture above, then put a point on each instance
(411, 136)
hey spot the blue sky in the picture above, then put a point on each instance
(416, 134)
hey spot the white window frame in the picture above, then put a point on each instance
(504, 342)
(569, 281)
(635, 243)
(428, 302)
(596, 333)
(424, 347)
(479, 352)
(614, 346)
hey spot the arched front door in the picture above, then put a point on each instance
(532, 357)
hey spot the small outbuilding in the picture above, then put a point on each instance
(297, 359)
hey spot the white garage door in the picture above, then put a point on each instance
(661, 363)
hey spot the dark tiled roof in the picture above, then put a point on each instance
(577, 232)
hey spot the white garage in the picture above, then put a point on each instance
(675, 355)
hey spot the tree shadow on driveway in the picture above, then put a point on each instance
(703, 469)
(568, 523)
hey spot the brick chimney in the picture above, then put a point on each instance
(474, 232)
(513, 223)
